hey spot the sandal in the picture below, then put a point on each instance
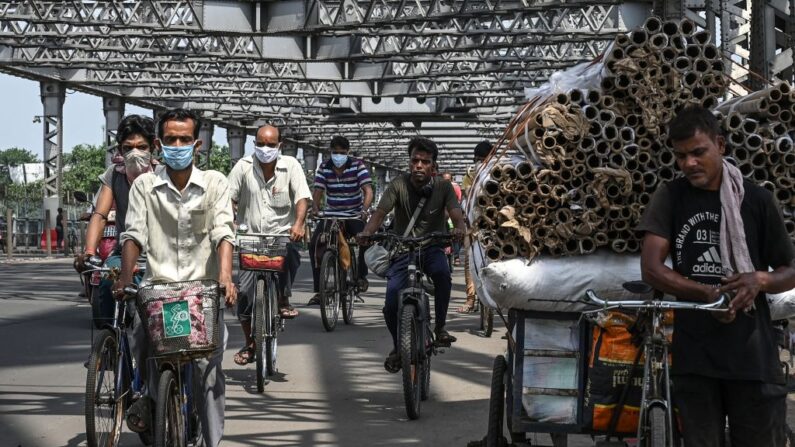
(139, 415)
(244, 356)
(392, 362)
(467, 308)
(443, 338)
(287, 312)
(314, 301)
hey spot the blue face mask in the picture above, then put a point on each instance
(178, 157)
(339, 160)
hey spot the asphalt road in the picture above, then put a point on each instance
(331, 389)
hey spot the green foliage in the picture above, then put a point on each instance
(82, 168)
(220, 159)
(14, 156)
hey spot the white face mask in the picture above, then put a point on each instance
(266, 154)
(137, 162)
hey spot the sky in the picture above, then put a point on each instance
(82, 122)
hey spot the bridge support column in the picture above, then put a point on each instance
(114, 112)
(206, 135)
(237, 141)
(52, 99)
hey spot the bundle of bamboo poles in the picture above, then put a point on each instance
(593, 158)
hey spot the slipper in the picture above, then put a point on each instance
(244, 356)
(392, 362)
(139, 415)
(288, 312)
(467, 308)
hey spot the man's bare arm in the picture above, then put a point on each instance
(663, 278)
(317, 199)
(367, 190)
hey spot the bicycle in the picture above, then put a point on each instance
(337, 287)
(416, 343)
(113, 380)
(655, 422)
(182, 323)
(264, 254)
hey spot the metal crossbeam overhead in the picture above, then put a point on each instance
(377, 71)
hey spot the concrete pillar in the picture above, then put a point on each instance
(52, 99)
(310, 160)
(237, 141)
(114, 112)
(206, 135)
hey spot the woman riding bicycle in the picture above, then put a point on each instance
(404, 195)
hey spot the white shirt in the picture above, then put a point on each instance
(179, 231)
(268, 206)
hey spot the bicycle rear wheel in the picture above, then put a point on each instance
(104, 409)
(658, 436)
(351, 289)
(169, 419)
(272, 327)
(330, 290)
(259, 333)
(409, 358)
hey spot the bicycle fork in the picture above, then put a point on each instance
(654, 393)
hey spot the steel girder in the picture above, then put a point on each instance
(316, 67)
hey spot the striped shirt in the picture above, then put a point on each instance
(344, 191)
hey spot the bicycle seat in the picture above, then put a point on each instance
(637, 287)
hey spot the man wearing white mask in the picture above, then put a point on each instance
(271, 194)
(346, 184)
(181, 217)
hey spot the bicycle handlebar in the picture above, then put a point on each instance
(410, 240)
(716, 306)
(330, 215)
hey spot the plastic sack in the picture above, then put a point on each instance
(782, 305)
(559, 284)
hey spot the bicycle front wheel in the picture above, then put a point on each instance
(330, 290)
(351, 290)
(169, 418)
(410, 364)
(658, 436)
(272, 329)
(104, 407)
(259, 333)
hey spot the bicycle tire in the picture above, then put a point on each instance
(486, 319)
(494, 435)
(169, 419)
(272, 328)
(330, 290)
(104, 355)
(410, 367)
(425, 385)
(259, 333)
(657, 427)
(351, 290)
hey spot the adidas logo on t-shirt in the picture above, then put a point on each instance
(710, 255)
(710, 263)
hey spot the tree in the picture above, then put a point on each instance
(220, 159)
(82, 168)
(15, 156)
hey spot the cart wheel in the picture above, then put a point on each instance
(494, 437)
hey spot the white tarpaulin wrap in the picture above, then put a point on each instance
(782, 305)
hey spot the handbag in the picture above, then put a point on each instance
(377, 257)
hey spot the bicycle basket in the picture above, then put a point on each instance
(181, 318)
(262, 254)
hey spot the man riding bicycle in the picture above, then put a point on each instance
(181, 217)
(723, 234)
(347, 186)
(403, 195)
(271, 195)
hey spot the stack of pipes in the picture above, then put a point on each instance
(594, 157)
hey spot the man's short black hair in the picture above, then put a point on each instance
(179, 115)
(424, 145)
(136, 125)
(693, 119)
(483, 149)
(340, 142)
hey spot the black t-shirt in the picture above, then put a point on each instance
(689, 218)
(401, 196)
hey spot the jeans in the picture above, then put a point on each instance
(434, 265)
(248, 284)
(756, 411)
(316, 249)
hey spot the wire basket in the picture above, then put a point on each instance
(181, 318)
(262, 253)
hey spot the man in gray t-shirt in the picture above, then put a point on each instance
(403, 195)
